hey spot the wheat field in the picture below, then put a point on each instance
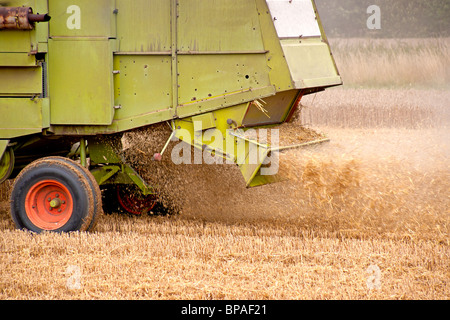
(403, 63)
(376, 197)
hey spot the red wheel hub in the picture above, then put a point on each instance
(49, 204)
(134, 202)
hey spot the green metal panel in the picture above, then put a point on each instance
(82, 18)
(21, 117)
(208, 76)
(143, 85)
(20, 81)
(80, 79)
(143, 26)
(310, 63)
(17, 40)
(218, 25)
(208, 120)
(249, 169)
(17, 59)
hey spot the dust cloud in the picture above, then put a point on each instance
(364, 181)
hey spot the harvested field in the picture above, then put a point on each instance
(177, 258)
(374, 198)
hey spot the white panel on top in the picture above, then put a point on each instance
(294, 18)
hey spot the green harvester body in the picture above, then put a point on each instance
(73, 72)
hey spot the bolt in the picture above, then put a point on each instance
(55, 203)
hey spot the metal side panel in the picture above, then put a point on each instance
(218, 26)
(19, 59)
(143, 85)
(17, 40)
(208, 82)
(20, 117)
(17, 81)
(80, 76)
(144, 26)
(311, 63)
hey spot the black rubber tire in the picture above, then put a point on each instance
(64, 172)
(98, 210)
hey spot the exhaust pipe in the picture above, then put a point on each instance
(20, 18)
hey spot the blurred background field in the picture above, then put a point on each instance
(393, 63)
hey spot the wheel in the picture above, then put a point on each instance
(98, 210)
(133, 201)
(126, 199)
(53, 194)
(6, 164)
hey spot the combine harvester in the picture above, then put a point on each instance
(76, 74)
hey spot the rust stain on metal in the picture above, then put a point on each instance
(20, 18)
